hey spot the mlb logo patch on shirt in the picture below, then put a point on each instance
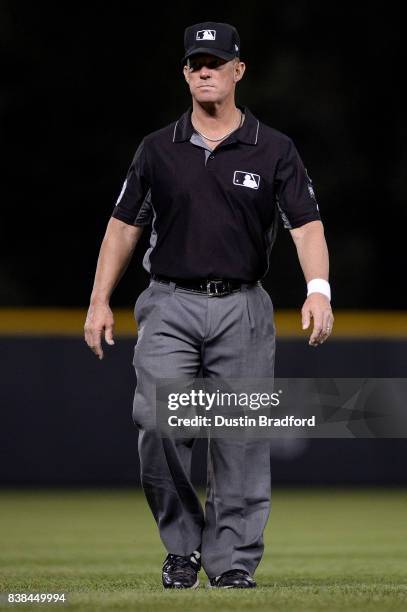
(246, 179)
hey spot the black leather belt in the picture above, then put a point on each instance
(210, 286)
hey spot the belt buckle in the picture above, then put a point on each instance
(216, 292)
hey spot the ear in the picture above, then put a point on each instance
(240, 67)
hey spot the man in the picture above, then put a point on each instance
(211, 183)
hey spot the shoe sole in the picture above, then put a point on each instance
(229, 586)
(194, 586)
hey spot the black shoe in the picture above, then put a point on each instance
(233, 579)
(181, 572)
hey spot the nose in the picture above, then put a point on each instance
(204, 72)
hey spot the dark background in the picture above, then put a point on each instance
(66, 417)
(82, 83)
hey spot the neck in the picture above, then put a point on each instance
(214, 119)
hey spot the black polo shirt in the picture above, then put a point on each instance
(215, 213)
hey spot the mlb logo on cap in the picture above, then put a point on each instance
(218, 39)
(206, 35)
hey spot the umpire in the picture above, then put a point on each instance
(213, 185)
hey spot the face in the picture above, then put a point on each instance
(212, 79)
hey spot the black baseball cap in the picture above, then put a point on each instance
(219, 39)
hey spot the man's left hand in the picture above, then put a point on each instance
(318, 307)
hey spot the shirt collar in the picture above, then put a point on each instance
(248, 133)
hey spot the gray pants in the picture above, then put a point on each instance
(181, 334)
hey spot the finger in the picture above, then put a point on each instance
(86, 330)
(96, 344)
(89, 339)
(323, 334)
(109, 335)
(327, 325)
(306, 319)
(314, 338)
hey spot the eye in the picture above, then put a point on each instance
(211, 64)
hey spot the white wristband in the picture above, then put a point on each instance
(319, 285)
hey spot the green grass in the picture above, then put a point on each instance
(326, 550)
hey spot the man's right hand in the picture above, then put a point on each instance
(115, 253)
(99, 321)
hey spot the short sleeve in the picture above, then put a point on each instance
(133, 206)
(294, 191)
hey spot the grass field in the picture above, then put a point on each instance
(329, 550)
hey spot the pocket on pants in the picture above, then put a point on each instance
(259, 311)
(141, 301)
(247, 296)
(269, 310)
(267, 301)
